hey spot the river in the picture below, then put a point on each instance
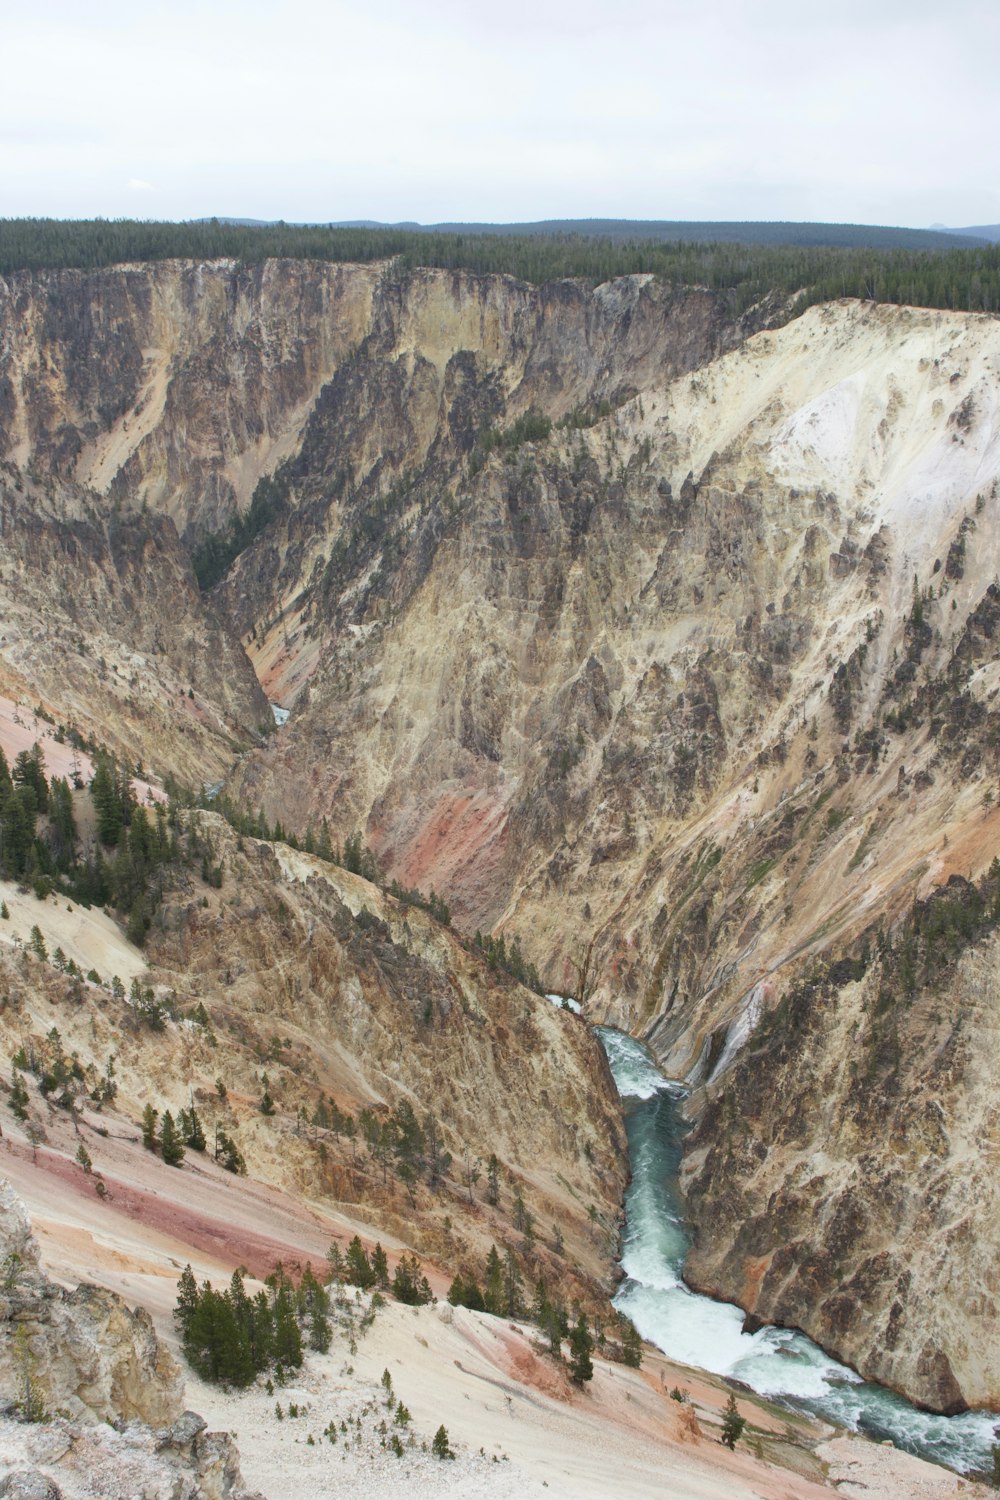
(783, 1365)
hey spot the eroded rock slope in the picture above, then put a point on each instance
(664, 643)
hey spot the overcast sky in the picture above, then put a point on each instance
(880, 112)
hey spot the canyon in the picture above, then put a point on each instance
(657, 636)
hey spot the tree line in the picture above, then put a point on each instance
(124, 868)
(965, 280)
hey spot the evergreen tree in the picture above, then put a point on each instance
(187, 1301)
(380, 1267)
(581, 1345)
(314, 1306)
(358, 1268)
(732, 1423)
(107, 803)
(171, 1145)
(62, 824)
(138, 922)
(473, 1296)
(18, 1095)
(149, 1128)
(493, 1283)
(261, 1332)
(409, 1285)
(228, 1153)
(631, 1344)
(215, 1345)
(440, 1444)
(512, 1285)
(493, 1180)
(287, 1350)
(29, 771)
(191, 1129)
(335, 1256)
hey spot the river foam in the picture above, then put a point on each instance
(778, 1363)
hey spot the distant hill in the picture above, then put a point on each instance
(690, 231)
(721, 231)
(989, 232)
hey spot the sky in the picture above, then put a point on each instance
(882, 112)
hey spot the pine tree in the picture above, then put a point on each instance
(631, 1344)
(149, 1128)
(380, 1266)
(409, 1284)
(493, 1180)
(358, 1268)
(261, 1330)
(171, 1145)
(440, 1444)
(581, 1345)
(191, 1129)
(138, 922)
(227, 1151)
(18, 1095)
(493, 1283)
(187, 1301)
(215, 1344)
(512, 1285)
(456, 1292)
(318, 1313)
(732, 1423)
(287, 1339)
(107, 804)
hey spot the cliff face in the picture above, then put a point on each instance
(83, 1353)
(301, 980)
(842, 1178)
(663, 639)
(104, 624)
(171, 385)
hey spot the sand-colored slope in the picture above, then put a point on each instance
(517, 1424)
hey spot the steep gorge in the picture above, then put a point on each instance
(694, 692)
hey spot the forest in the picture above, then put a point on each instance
(799, 274)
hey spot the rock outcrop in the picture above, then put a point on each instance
(74, 1363)
(82, 1353)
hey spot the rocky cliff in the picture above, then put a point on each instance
(74, 1363)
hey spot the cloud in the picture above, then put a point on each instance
(138, 185)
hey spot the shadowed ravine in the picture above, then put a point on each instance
(780, 1364)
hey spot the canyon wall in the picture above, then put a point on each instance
(660, 638)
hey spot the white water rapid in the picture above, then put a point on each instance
(778, 1363)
